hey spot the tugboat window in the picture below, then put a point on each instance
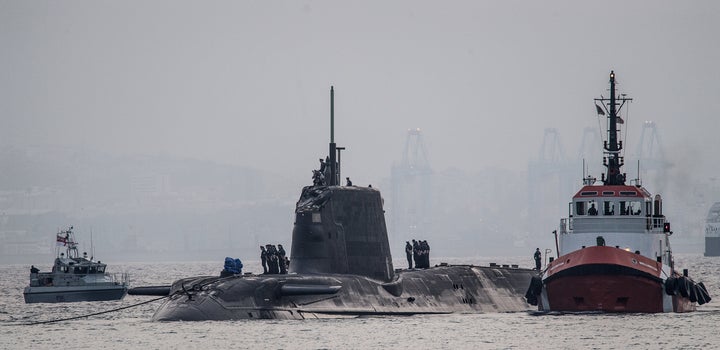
(580, 208)
(634, 207)
(609, 208)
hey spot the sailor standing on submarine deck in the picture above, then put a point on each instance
(263, 259)
(425, 249)
(281, 259)
(409, 254)
(416, 252)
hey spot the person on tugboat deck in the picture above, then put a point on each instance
(592, 210)
(538, 258)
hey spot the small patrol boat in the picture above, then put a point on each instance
(73, 278)
(614, 250)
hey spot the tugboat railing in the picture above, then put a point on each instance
(612, 224)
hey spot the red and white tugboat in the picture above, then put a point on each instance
(614, 248)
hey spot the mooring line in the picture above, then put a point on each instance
(97, 313)
(183, 291)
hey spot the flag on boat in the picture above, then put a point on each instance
(61, 240)
(599, 110)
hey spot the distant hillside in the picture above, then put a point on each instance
(138, 204)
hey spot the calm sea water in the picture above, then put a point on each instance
(133, 329)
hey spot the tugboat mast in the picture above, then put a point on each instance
(613, 161)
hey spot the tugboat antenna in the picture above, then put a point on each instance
(612, 145)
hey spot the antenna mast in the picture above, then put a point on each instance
(612, 147)
(333, 165)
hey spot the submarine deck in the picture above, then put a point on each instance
(437, 290)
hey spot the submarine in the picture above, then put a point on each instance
(342, 267)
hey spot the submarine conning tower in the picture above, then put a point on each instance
(340, 229)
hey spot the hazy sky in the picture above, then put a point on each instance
(247, 82)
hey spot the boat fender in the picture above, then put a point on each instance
(671, 286)
(692, 292)
(534, 289)
(700, 297)
(683, 287)
(704, 296)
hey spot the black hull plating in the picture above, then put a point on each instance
(440, 290)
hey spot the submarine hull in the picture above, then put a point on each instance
(438, 290)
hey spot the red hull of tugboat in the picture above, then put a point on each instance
(607, 293)
(607, 279)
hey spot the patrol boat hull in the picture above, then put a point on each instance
(73, 294)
